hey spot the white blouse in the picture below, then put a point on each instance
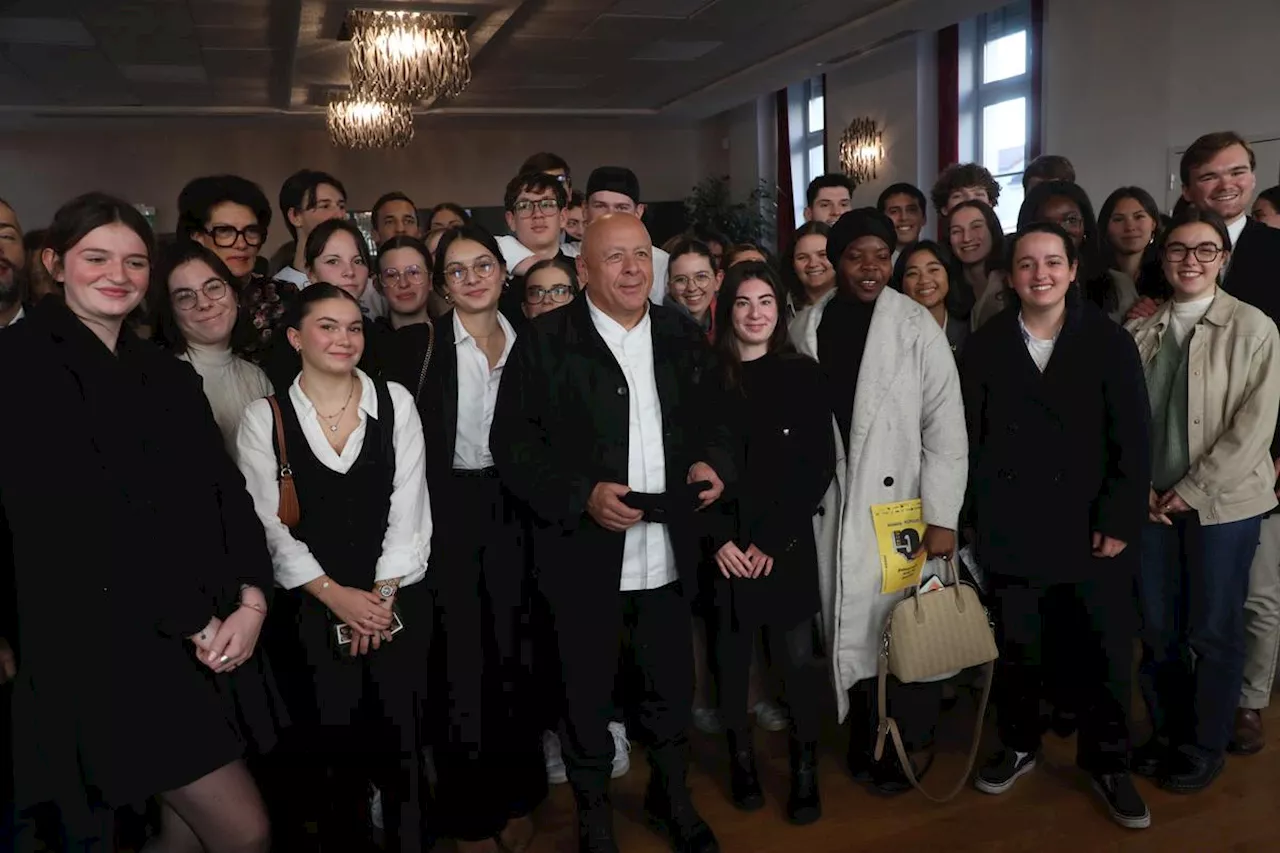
(477, 395)
(230, 383)
(407, 542)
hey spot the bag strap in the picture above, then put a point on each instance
(286, 472)
(889, 727)
(426, 361)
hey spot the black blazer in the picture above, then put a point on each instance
(1254, 277)
(1056, 456)
(788, 457)
(562, 425)
(438, 407)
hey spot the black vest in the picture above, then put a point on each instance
(344, 516)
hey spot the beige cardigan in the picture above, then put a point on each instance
(1233, 394)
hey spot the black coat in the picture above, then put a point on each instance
(782, 420)
(1254, 277)
(1056, 456)
(131, 528)
(562, 425)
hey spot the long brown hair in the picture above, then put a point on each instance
(726, 341)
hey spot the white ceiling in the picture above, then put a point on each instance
(679, 58)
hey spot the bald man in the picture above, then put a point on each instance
(12, 260)
(608, 396)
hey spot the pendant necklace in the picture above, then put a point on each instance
(333, 427)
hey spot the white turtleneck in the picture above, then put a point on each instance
(1187, 314)
(230, 383)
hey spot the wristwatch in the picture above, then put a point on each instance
(387, 589)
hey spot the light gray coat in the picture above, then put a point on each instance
(908, 440)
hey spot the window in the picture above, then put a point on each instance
(806, 121)
(995, 99)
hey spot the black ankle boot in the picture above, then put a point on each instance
(744, 782)
(803, 804)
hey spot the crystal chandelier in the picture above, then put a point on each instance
(407, 57)
(360, 123)
(861, 150)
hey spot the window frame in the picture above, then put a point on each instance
(805, 137)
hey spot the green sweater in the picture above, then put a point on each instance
(1167, 388)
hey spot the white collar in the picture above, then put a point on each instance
(610, 329)
(460, 334)
(22, 312)
(1235, 229)
(293, 276)
(368, 396)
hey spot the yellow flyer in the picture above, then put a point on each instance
(899, 531)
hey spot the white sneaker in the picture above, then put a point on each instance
(707, 721)
(770, 717)
(555, 761)
(375, 808)
(621, 750)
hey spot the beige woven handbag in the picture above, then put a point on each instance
(927, 636)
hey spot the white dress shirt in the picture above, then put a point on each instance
(16, 317)
(648, 561)
(1235, 229)
(406, 545)
(293, 276)
(477, 394)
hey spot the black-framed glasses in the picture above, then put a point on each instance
(558, 293)
(186, 299)
(1071, 221)
(483, 268)
(1205, 253)
(700, 280)
(525, 208)
(225, 236)
(411, 275)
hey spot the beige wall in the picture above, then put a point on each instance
(455, 159)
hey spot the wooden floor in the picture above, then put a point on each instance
(1050, 810)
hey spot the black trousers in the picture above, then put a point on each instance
(790, 648)
(1097, 620)
(915, 706)
(488, 739)
(356, 722)
(649, 640)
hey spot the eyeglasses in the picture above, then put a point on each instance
(525, 208)
(457, 273)
(1071, 221)
(225, 236)
(700, 280)
(187, 299)
(1206, 253)
(559, 294)
(409, 276)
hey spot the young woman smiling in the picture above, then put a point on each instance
(407, 333)
(925, 271)
(976, 239)
(1210, 364)
(196, 302)
(808, 272)
(1059, 467)
(488, 750)
(765, 548)
(125, 495)
(349, 567)
(693, 282)
(1129, 223)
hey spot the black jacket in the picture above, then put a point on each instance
(1056, 456)
(788, 456)
(131, 527)
(562, 425)
(1254, 277)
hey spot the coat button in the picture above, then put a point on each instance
(622, 390)
(1013, 429)
(1196, 421)
(822, 510)
(786, 431)
(888, 481)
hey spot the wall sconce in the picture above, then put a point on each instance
(861, 150)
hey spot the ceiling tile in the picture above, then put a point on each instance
(50, 31)
(233, 38)
(238, 63)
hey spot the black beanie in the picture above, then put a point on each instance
(861, 222)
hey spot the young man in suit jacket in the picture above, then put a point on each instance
(1218, 174)
(606, 396)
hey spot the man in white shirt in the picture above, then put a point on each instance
(13, 259)
(1218, 175)
(608, 396)
(308, 198)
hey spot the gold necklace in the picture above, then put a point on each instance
(333, 427)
